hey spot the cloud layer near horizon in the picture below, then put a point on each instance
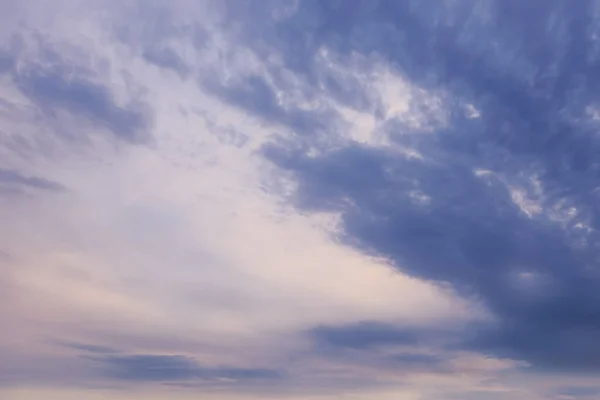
(302, 200)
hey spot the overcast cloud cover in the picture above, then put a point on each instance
(300, 199)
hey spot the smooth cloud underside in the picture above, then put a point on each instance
(306, 198)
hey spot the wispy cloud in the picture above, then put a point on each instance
(13, 180)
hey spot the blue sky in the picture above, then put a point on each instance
(299, 199)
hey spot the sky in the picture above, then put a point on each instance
(299, 199)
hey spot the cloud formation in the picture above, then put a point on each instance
(303, 200)
(13, 181)
(490, 188)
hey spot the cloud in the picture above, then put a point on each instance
(52, 90)
(384, 200)
(163, 368)
(6, 62)
(166, 58)
(578, 392)
(175, 254)
(92, 348)
(255, 95)
(51, 79)
(11, 180)
(363, 336)
(472, 233)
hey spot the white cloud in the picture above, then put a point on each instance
(471, 112)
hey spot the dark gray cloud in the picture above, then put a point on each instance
(164, 368)
(14, 181)
(404, 350)
(150, 367)
(531, 69)
(363, 336)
